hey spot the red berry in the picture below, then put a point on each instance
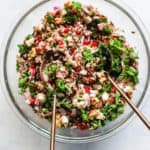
(82, 126)
(66, 30)
(78, 69)
(87, 88)
(95, 44)
(86, 42)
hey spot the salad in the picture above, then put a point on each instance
(67, 55)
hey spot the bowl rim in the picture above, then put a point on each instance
(3, 80)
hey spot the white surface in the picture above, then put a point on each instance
(14, 135)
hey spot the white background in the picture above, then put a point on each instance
(14, 135)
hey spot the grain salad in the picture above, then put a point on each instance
(67, 55)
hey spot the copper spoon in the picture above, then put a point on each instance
(108, 69)
(53, 125)
(131, 104)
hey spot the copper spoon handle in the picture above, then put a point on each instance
(53, 125)
(132, 105)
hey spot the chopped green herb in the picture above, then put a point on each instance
(23, 49)
(101, 20)
(32, 89)
(65, 103)
(87, 55)
(105, 88)
(76, 5)
(28, 37)
(84, 115)
(17, 66)
(95, 123)
(70, 18)
(116, 46)
(120, 110)
(54, 44)
(116, 65)
(51, 70)
(107, 30)
(129, 73)
(49, 18)
(23, 81)
(62, 86)
(44, 110)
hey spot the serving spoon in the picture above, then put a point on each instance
(127, 99)
(53, 125)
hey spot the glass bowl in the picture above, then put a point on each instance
(123, 18)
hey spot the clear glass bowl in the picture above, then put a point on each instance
(123, 18)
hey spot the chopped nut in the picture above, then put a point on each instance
(96, 114)
(59, 21)
(58, 121)
(32, 53)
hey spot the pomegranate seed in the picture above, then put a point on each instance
(50, 79)
(100, 105)
(94, 44)
(53, 86)
(38, 48)
(88, 74)
(78, 31)
(112, 101)
(60, 42)
(31, 101)
(32, 70)
(72, 51)
(82, 126)
(78, 69)
(66, 30)
(113, 89)
(87, 88)
(91, 81)
(86, 42)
